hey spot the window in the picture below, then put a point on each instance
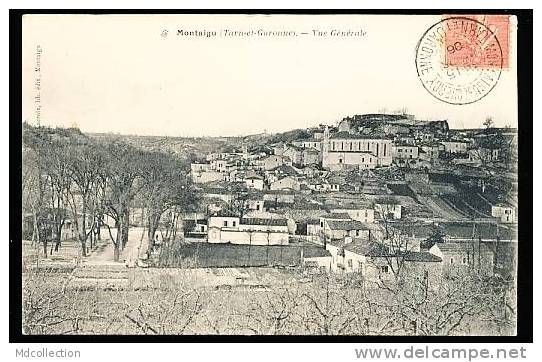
(258, 207)
(234, 223)
(451, 260)
(350, 263)
(202, 228)
(465, 260)
(225, 223)
(360, 265)
(384, 269)
(362, 159)
(340, 160)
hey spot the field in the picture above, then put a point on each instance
(204, 255)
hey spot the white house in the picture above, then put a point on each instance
(254, 181)
(403, 151)
(339, 229)
(226, 227)
(431, 151)
(455, 146)
(286, 183)
(358, 212)
(506, 213)
(274, 161)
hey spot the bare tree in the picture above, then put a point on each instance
(170, 312)
(326, 311)
(274, 311)
(123, 173)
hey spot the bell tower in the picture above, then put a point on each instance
(325, 148)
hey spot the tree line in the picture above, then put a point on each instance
(68, 176)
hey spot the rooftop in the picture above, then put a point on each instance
(225, 213)
(265, 222)
(347, 225)
(365, 247)
(337, 216)
(343, 135)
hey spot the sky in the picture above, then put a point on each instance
(120, 74)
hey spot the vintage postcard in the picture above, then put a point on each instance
(277, 174)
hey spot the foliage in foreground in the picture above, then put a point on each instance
(322, 305)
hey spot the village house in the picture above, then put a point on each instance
(431, 151)
(455, 146)
(254, 181)
(280, 172)
(317, 259)
(295, 154)
(286, 183)
(339, 229)
(313, 143)
(299, 156)
(205, 172)
(255, 202)
(196, 229)
(320, 185)
(314, 228)
(274, 161)
(220, 165)
(311, 170)
(196, 167)
(357, 210)
(483, 154)
(279, 196)
(377, 263)
(470, 254)
(402, 151)
(311, 157)
(505, 213)
(278, 149)
(407, 139)
(217, 193)
(218, 156)
(228, 227)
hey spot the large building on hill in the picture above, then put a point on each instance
(344, 150)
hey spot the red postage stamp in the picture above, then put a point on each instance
(477, 41)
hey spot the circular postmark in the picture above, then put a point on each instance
(459, 60)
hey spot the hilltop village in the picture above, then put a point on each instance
(380, 223)
(374, 187)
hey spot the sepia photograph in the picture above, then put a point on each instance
(271, 174)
